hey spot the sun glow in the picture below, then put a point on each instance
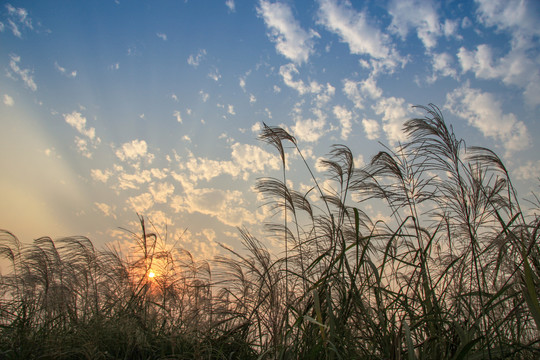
(151, 274)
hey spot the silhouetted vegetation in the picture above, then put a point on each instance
(452, 273)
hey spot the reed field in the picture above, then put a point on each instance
(453, 272)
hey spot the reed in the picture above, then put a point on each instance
(454, 273)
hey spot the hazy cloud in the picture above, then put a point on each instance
(230, 5)
(8, 100)
(162, 36)
(195, 60)
(18, 19)
(177, 115)
(65, 72)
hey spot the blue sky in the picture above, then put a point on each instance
(109, 108)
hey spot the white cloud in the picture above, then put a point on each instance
(287, 71)
(134, 150)
(252, 98)
(214, 74)
(519, 16)
(253, 159)
(357, 91)
(77, 121)
(529, 171)
(204, 96)
(161, 191)
(162, 36)
(24, 74)
(224, 205)
(419, 14)
(354, 29)
(230, 110)
(141, 203)
(484, 112)
(195, 60)
(442, 64)
(100, 175)
(345, 120)
(230, 5)
(82, 147)
(176, 114)
(106, 209)
(8, 100)
(515, 68)
(371, 127)
(310, 130)
(159, 173)
(18, 17)
(394, 114)
(132, 181)
(63, 71)
(174, 97)
(114, 66)
(291, 40)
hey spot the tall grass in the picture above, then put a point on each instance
(453, 272)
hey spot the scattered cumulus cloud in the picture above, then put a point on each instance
(394, 113)
(106, 209)
(65, 72)
(204, 96)
(214, 74)
(195, 60)
(485, 113)
(25, 74)
(288, 72)
(371, 127)
(161, 192)
(230, 5)
(101, 175)
(293, 42)
(133, 150)
(515, 68)
(18, 20)
(177, 115)
(8, 100)
(358, 91)
(354, 29)
(310, 130)
(141, 203)
(418, 14)
(345, 120)
(77, 121)
(162, 36)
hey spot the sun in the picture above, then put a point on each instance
(151, 274)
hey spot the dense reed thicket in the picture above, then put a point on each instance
(452, 273)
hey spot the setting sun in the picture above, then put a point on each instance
(151, 274)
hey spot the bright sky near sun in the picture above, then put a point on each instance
(113, 108)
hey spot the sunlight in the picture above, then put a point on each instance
(151, 274)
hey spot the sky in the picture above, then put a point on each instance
(109, 109)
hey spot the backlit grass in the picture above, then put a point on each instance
(452, 273)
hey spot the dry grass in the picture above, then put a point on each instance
(455, 273)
